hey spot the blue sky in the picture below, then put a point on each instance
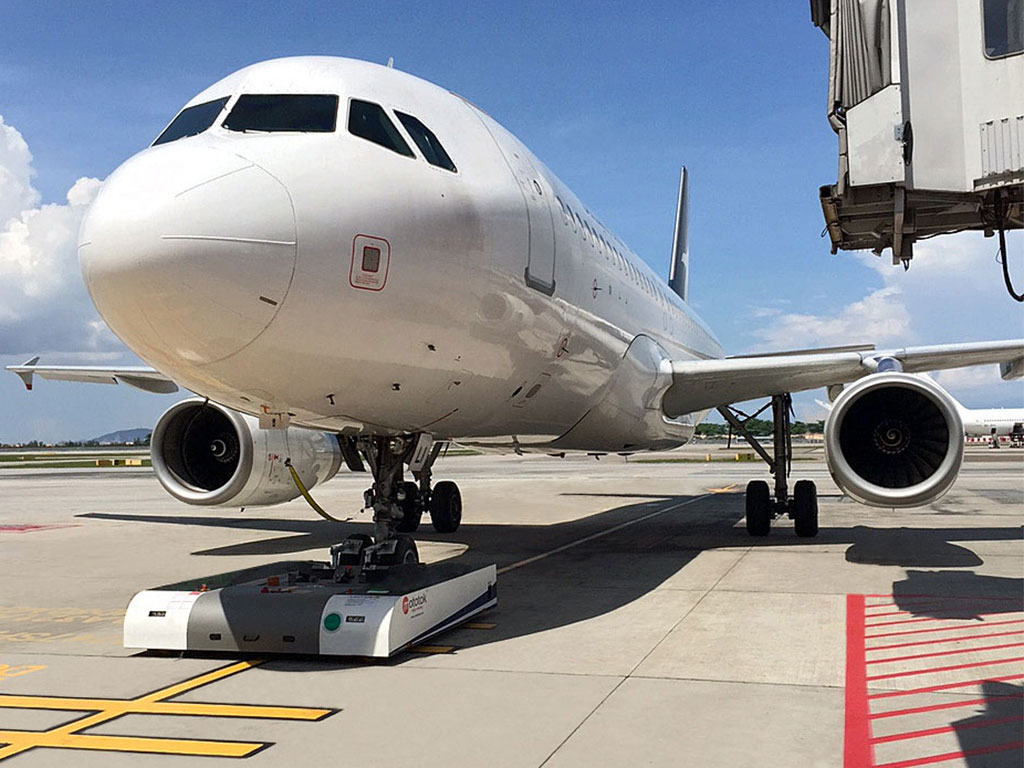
(612, 100)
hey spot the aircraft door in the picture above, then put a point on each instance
(540, 266)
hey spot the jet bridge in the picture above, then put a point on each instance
(927, 98)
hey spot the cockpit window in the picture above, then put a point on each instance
(369, 121)
(302, 113)
(192, 121)
(427, 142)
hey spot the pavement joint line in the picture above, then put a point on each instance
(636, 666)
(104, 710)
(600, 534)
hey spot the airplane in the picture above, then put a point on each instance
(348, 264)
(991, 422)
(980, 422)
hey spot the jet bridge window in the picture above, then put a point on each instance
(369, 121)
(1004, 27)
(301, 113)
(427, 142)
(192, 121)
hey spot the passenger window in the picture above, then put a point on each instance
(427, 142)
(192, 121)
(1004, 27)
(292, 112)
(369, 121)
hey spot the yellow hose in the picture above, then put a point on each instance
(305, 494)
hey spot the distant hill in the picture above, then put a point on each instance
(123, 436)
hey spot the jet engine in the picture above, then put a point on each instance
(209, 455)
(894, 440)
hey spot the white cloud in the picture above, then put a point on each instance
(953, 292)
(16, 192)
(44, 306)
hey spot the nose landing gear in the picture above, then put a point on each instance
(398, 504)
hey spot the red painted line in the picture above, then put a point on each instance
(938, 600)
(1011, 633)
(935, 608)
(943, 597)
(959, 628)
(857, 750)
(937, 707)
(979, 649)
(932, 759)
(945, 686)
(946, 729)
(930, 670)
(936, 618)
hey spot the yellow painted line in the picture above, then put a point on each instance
(432, 648)
(727, 489)
(160, 746)
(165, 707)
(478, 625)
(7, 671)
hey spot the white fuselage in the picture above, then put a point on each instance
(500, 308)
(983, 422)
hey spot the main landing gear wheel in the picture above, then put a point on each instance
(759, 508)
(446, 507)
(805, 508)
(412, 512)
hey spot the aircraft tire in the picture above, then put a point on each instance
(364, 540)
(446, 507)
(405, 552)
(805, 509)
(758, 508)
(412, 513)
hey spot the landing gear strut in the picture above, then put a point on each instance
(761, 507)
(398, 504)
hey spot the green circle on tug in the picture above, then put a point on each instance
(332, 621)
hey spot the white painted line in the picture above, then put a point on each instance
(599, 534)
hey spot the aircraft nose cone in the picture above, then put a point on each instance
(188, 253)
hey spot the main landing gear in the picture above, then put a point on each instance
(761, 507)
(398, 504)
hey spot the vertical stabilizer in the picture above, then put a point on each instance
(678, 276)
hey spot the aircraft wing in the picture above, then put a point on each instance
(138, 376)
(703, 384)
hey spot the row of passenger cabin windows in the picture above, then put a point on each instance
(310, 113)
(590, 233)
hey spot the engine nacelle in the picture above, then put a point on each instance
(209, 455)
(894, 440)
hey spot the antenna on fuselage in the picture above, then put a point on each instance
(679, 267)
(391, 62)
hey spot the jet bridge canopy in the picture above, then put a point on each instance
(927, 98)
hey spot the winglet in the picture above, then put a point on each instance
(26, 375)
(680, 265)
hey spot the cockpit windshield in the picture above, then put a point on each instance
(192, 121)
(306, 113)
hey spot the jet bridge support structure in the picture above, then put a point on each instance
(927, 100)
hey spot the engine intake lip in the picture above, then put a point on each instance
(892, 436)
(172, 470)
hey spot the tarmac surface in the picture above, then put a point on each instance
(637, 624)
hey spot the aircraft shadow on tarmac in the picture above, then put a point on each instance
(998, 724)
(610, 571)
